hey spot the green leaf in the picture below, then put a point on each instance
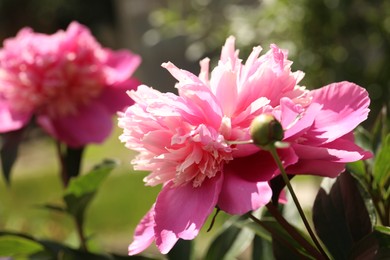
(9, 151)
(380, 128)
(284, 246)
(52, 207)
(363, 138)
(12, 245)
(340, 216)
(381, 169)
(262, 248)
(81, 190)
(358, 169)
(181, 250)
(382, 233)
(231, 241)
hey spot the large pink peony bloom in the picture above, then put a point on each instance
(67, 81)
(189, 142)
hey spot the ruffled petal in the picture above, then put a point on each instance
(144, 234)
(345, 106)
(181, 211)
(92, 124)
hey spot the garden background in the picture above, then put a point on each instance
(331, 40)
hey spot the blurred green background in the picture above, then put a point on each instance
(330, 40)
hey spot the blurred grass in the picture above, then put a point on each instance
(117, 208)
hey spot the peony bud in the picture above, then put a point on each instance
(266, 130)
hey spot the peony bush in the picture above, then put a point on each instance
(194, 143)
(230, 140)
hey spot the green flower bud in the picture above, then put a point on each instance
(266, 130)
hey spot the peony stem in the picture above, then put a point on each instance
(276, 235)
(275, 155)
(291, 230)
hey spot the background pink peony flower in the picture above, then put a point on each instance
(188, 142)
(67, 81)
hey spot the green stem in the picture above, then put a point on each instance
(291, 230)
(81, 235)
(64, 173)
(275, 155)
(276, 235)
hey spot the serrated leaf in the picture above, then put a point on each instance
(340, 216)
(9, 151)
(81, 189)
(381, 170)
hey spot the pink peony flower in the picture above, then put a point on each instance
(67, 81)
(189, 142)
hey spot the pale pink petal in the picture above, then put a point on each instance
(239, 196)
(144, 234)
(202, 104)
(91, 124)
(120, 65)
(229, 55)
(115, 98)
(224, 86)
(10, 121)
(182, 76)
(345, 106)
(181, 211)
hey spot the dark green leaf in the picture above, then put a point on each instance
(340, 216)
(82, 189)
(9, 151)
(283, 245)
(181, 250)
(262, 249)
(382, 233)
(382, 166)
(52, 207)
(230, 242)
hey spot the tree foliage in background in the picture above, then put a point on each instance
(330, 40)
